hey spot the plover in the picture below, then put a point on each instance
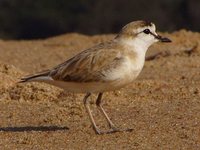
(104, 67)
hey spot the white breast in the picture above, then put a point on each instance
(127, 71)
(134, 67)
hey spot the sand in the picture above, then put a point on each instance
(162, 106)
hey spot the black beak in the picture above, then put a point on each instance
(161, 39)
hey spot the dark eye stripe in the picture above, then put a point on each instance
(147, 31)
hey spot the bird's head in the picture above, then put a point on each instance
(141, 32)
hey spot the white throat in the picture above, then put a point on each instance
(137, 45)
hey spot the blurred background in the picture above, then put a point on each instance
(33, 19)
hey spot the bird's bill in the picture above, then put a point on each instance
(162, 39)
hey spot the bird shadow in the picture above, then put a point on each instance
(33, 128)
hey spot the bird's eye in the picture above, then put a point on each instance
(147, 31)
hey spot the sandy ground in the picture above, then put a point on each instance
(162, 106)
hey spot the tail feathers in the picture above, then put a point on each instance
(35, 77)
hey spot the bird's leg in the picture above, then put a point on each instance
(99, 105)
(90, 113)
(111, 124)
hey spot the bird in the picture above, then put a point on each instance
(104, 67)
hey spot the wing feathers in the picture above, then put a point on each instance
(90, 65)
(36, 76)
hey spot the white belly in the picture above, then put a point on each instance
(92, 87)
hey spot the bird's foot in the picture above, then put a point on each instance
(113, 130)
